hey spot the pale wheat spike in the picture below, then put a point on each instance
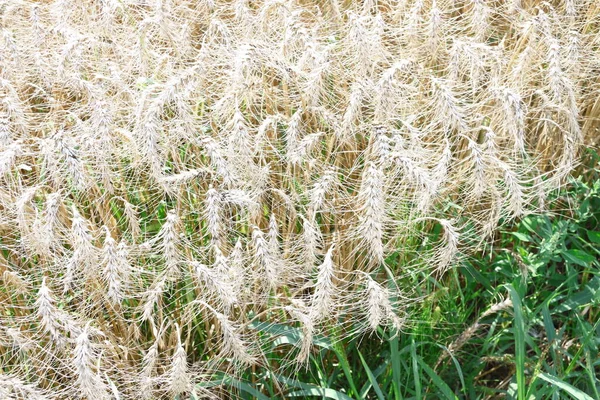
(240, 145)
(47, 313)
(14, 388)
(371, 198)
(273, 234)
(233, 345)
(169, 234)
(352, 112)
(413, 21)
(73, 163)
(111, 267)
(514, 116)
(237, 273)
(449, 249)
(262, 140)
(85, 252)
(411, 169)
(214, 281)
(149, 363)
(304, 148)
(458, 343)
(514, 190)
(449, 112)
(23, 206)
(560, 85)
(434, 27)
(323, 186)
(116, 267)
(5, 140)
(152, 297)
(480, 19)
(440, 171)
(50, 216)
(82, 237)
(89, 383)
(385, 95)
(13, 106)
(264, 259)
(478, 168)
(308, 331)
(213, 215)
(312, 243)
(322, 304)
(313, 87)
(179, 376)
(14, 279)
(381, 148)
(132, 220)
(181, 178)
(293, 133)
(574, 49)
(9, 156)
(378, 306)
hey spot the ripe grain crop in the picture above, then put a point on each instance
(174, 171)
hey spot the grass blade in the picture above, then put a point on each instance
(341, 355)
(395, 367)
(519, 332)
(571, 390)
(228, 380)
(415, 367)
(319, 391)
(441, 385)
(372, 379)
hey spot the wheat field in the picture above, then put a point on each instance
(174, 171)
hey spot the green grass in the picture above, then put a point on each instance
(542, 346)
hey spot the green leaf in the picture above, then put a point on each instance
(372, 379)
(529, 223)
(584, 297)
(395, 366)
(521, 236)
(519, 329)
(548, 323)
(228, 380)
(341, 356)
(594, 236)
(415, 367)
(291, 334)
(480, 278)
(579, 257)
(443, 386)
(571, 390)
(456, 365)
(321, 392)
(294, 383)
